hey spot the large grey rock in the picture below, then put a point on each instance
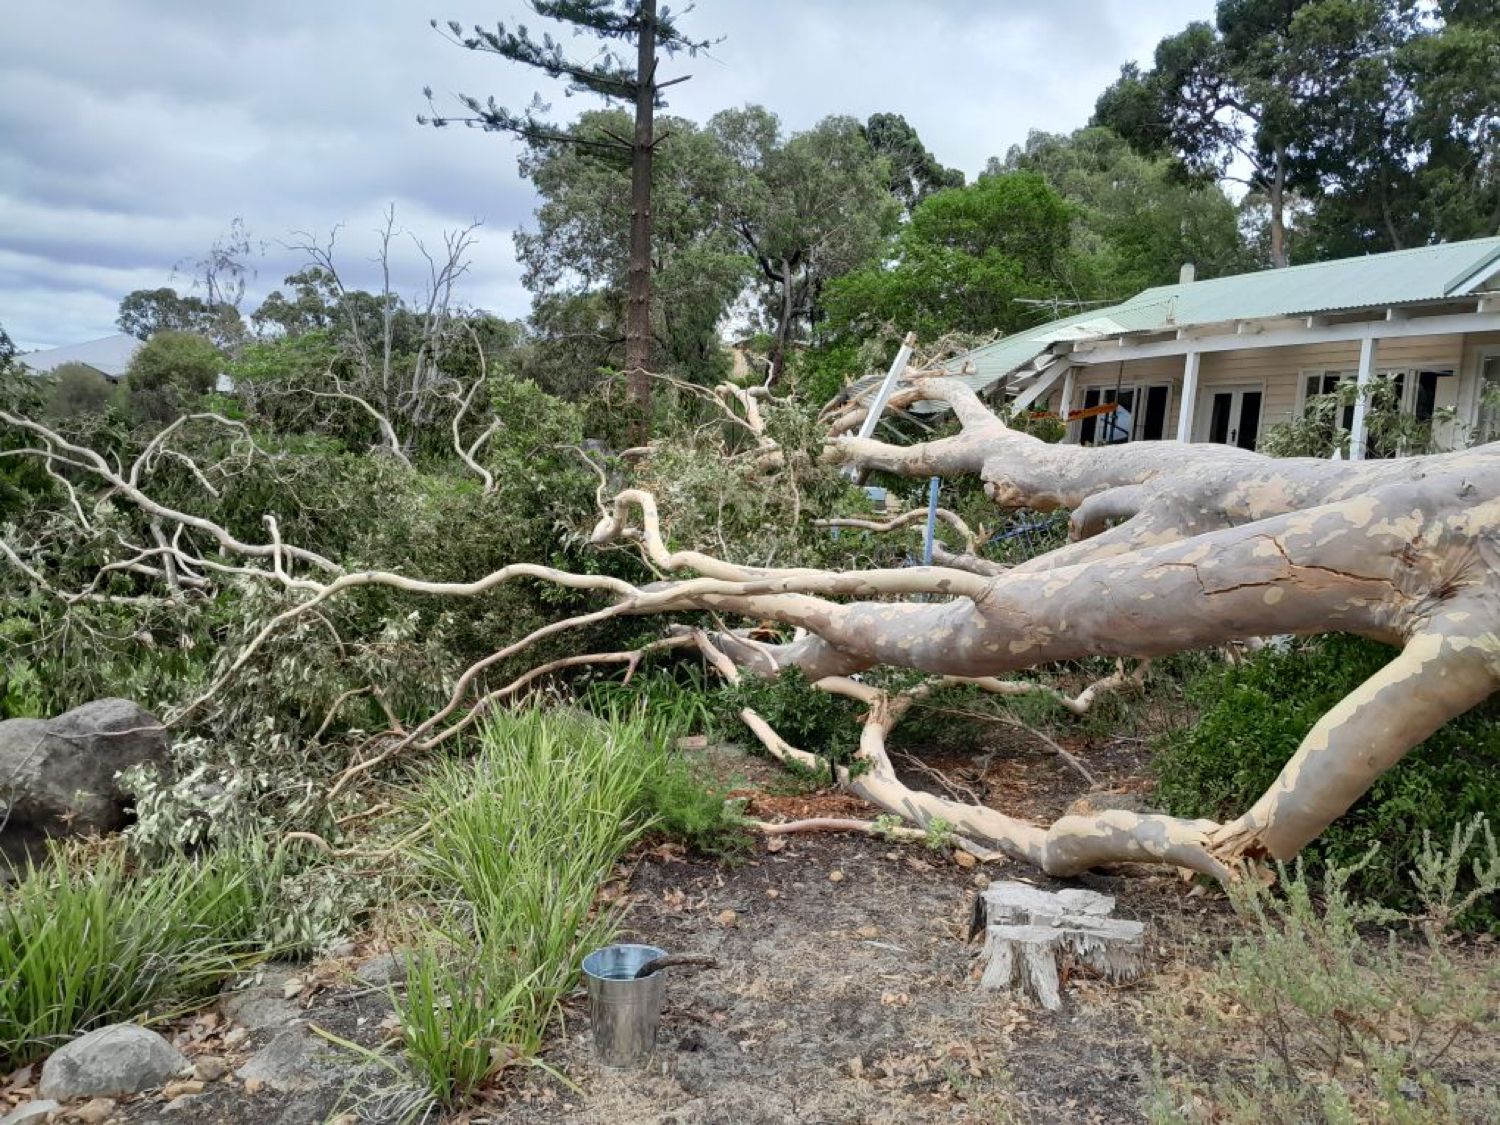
(116, 1060)
(57, 776)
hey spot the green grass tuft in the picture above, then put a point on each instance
(85, 941)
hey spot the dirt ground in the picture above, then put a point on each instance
(844, 989)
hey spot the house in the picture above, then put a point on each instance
(109, 356)
(1223, 360)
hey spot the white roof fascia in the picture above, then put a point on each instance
(1452, 324)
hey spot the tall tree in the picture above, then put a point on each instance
(1135, 222)
(1380, 113)
(611, 76)
(577, 256)
(914, 172)
(146, 311)
(1227, 99)
(807, 209)
(1408, 150)
(962, 262)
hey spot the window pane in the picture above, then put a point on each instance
(1249, 428)
(1088, 427)
(1218, 420)
(1154, 423)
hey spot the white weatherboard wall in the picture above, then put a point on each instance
(1279, 371)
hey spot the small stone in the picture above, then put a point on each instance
(981, 880)
(209, 1068)
(253, 1086)
(31, 1113)
(344, 949)
(835, 876)
(120, 1059)
(775, 843)
(94, 1112)
(236, 1036)
(728, 918)
(388, 968)
(963, 858)
(182, 1088)
(266, 1001)
(772, 892)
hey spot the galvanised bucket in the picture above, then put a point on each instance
(624, 1011)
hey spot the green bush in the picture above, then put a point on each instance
(77, 389)
(171, 371)
(811, 720)
(1254, 715)
(1305, 1018)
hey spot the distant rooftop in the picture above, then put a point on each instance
(110, 356)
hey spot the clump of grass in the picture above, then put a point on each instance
(521, 838)
(1306, 1018)
(85, 941)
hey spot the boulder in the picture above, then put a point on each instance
(123, 1058)
(57, 776)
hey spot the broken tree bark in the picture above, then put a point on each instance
(1034, 937)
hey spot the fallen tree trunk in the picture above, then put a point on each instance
(1176, 548)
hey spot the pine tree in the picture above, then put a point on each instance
(609, 75)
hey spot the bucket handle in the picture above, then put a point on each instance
(672, 959)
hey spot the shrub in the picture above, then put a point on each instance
(78, 389)
(170, 372)
(811, 720)
(1254, 715)
(1306, 1019)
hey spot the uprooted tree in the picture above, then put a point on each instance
(1175, 547)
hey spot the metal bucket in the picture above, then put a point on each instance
(623, 1011)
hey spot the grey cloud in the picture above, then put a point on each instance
(131, 131)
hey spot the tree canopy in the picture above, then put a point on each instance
(1381, 113)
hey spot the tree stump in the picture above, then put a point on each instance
(1032, 937)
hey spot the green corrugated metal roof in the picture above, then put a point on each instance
(1427, 273)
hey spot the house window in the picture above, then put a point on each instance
(1327, 383)
(1140, 414)
(1154, 414)
(1112, 428)
(1416, 392)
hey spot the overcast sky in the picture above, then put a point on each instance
(133, 131)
